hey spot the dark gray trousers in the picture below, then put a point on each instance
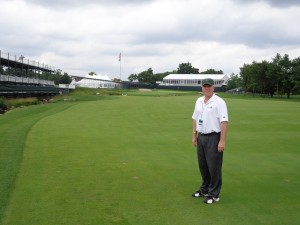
(210, 164)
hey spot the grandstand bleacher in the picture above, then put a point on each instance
(20, 85)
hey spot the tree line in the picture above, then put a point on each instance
(280, 76)
(148, 76)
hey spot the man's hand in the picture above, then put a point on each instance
(194, 140)
(221, 146)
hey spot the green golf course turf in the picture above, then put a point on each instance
(129, 160)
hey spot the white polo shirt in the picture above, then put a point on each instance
(210, 115)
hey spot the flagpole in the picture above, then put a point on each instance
(120, 59)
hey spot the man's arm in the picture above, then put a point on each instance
(222, 142)
(194, 134)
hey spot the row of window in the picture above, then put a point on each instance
(190, 82)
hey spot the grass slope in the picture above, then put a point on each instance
(14, 127)
(130, 161)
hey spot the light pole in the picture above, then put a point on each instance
(21, 58)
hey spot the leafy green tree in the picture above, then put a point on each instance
(281, 75)
(296, 75)
(256, 78)
(54, 77)
(132, 77)
(117, 80)
(235, 81)
(212, 71)
(147, 76)
(286, 77)
(273, 79)
(247, 78)
(65, 79)
(187, 68)
(261, 76)
(92, 73)
(160, 76)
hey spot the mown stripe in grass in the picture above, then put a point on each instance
(14, 127)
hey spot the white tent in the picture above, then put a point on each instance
(97, 81)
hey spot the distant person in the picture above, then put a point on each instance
(210, 121)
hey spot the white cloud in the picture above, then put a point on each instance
(79, 37)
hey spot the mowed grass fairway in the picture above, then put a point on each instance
(129, 160)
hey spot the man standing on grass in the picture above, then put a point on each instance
(210, 121)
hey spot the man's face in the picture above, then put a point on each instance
(207, 89)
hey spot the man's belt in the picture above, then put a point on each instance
(208, 134)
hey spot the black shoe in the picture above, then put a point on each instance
(210, 200)
(199, 194)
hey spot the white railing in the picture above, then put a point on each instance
(26, 80)
(25, 61)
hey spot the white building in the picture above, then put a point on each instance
(193, 80)
(97, 81)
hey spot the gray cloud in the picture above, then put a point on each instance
(158, 34)
(78, 3)
(258, 29)
(274, 3)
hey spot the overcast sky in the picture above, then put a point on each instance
(82, 36)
